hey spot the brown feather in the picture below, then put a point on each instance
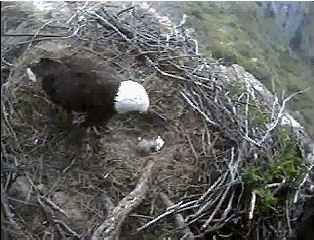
(78, 91)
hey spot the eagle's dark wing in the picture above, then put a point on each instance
(78, 91)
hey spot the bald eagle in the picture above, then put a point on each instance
(99, 97)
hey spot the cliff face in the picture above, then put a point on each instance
(296, 23)
(294, 20)
(288, 15)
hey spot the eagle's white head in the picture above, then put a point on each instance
(131, 97)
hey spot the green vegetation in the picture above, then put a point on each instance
(257, 116)
(288, 166)
(165, 232)
(237, 32)
(235, 88)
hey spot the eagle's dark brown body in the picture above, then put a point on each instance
(78, 91)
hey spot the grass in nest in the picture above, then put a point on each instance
(235, 88)
(257, 117)
(288, 166)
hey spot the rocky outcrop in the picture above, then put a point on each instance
(295, 20)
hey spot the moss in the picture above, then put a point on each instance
(164, 233)
(288, 166)
(269, 201)
(257, 116)
(235, 88)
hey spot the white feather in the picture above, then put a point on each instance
(31, 75)
(159, 143)
(131, 97)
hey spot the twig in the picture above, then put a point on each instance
(111, 25)
(125, 10)
(208, 221)
(157, 219)
(76, 13)
(186, 232)
(164, 73)
(110, 228)
(141, 216)
(66, 227)
(53, 205)
(199, 110)
(35, 35)
(288, 218)
(279, 116)
(191, 145)
(51, 38)
(252, 205)
(30, 35)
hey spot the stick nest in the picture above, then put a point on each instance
(228, 165)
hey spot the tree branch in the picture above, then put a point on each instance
(110, 228)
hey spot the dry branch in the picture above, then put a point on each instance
(181, 225)
(110, 228)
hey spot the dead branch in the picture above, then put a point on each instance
(110, 228)
(252, 205)
(65, 226)
(181, 225)
(279, 116)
